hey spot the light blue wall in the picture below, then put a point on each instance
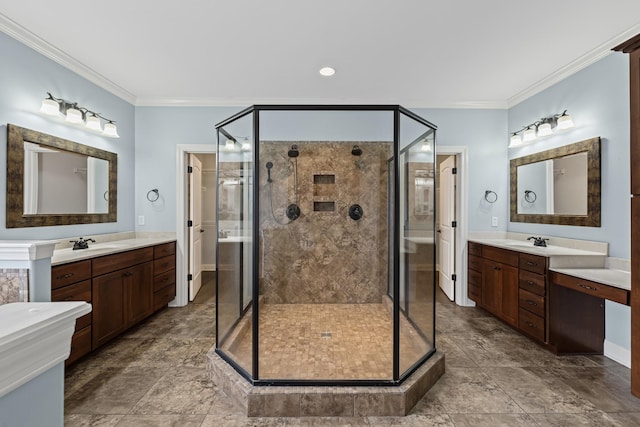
(25, 77)
(160, 129)
(598, 100)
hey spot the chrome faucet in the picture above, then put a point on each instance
(81, 243)
(538, 241)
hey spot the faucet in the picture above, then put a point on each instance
(81, 243)
(538, 241)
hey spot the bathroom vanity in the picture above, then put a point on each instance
(554, 295)
(125, 281)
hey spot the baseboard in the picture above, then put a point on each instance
(618, 353)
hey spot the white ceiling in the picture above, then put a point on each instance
(418, 53)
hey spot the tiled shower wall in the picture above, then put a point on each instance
(14, 285)
(324, 256)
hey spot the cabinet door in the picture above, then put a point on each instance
(491, 286)
(509, 299)
(138, 282)
(108, 308)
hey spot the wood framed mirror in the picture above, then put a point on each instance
(54, 181)
(558, 186)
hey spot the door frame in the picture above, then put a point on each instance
(182, 243)
(462, 217)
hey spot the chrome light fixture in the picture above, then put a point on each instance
(544, 127)
(76, 115)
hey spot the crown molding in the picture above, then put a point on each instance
(45, 48)
(573, 67)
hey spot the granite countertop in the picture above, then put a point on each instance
(527, 247)
(63, 256)
(607, 276)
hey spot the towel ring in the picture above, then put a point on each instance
(153, 197)
(106, 196)
(530, 196)
(490, 196)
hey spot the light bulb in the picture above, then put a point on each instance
(544, 129)
(565, 121)
(50, 107)
(529, 134)
(110, 130)
(327, 71)
(93, 123)
(73, 116)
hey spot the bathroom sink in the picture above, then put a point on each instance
(101, 247)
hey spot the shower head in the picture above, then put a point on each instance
(269, 165)
(356, 151)
(293, 152)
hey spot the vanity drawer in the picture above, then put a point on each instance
(532, 282)
(531, 324)
(78, 292)
(83, 322)
(502, 256)
(591, 288)
(80, 345)
(164, 250)
(66, 274)
(532, 302)
(475, 249)
(111, 263)
(164, 264)
(475, 293)
(533, 263)
(163, 280)
(163, 297)
(475, 278)
(475, 263)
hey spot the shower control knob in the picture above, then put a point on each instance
(355, 212)
(293, 212)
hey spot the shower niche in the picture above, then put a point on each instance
(329, 283)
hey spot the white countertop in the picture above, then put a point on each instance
(607, 276)
(63, 256)
(527, 247)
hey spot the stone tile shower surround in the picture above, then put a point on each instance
(14, 285)
(325, 256)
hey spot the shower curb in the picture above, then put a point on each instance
(325, 401)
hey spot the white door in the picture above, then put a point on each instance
(447, 231)
(195, 231)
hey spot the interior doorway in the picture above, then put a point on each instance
(446, 224)
(458, 238)
(186, 254)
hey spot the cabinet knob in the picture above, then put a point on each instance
(530, 302)
(530, 324)
(587, 287)
(128, 274)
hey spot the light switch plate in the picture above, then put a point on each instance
(140, 219)
(494, 221)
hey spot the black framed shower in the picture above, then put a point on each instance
(241, 203)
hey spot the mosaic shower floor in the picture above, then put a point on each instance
(328, 341)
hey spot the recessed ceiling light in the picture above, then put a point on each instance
(327, 71)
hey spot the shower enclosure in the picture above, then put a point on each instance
(325, 260)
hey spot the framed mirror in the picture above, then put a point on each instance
(54, 181)
(558, 186)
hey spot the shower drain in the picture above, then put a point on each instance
(325, 334)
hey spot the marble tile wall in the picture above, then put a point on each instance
(14, 285)
(324, 256)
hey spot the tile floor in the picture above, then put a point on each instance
(154, 375)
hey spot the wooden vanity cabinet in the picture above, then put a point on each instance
(122, 292)
(510, 285)
(164, 270)
(72, 282)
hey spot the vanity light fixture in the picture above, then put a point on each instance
(246, 145)
(76, 115)
(544, 127)
(426, 146)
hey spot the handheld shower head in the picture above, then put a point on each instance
(269, 165)
(293, 152)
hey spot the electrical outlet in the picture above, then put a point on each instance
(494, 221)
(140, 219)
